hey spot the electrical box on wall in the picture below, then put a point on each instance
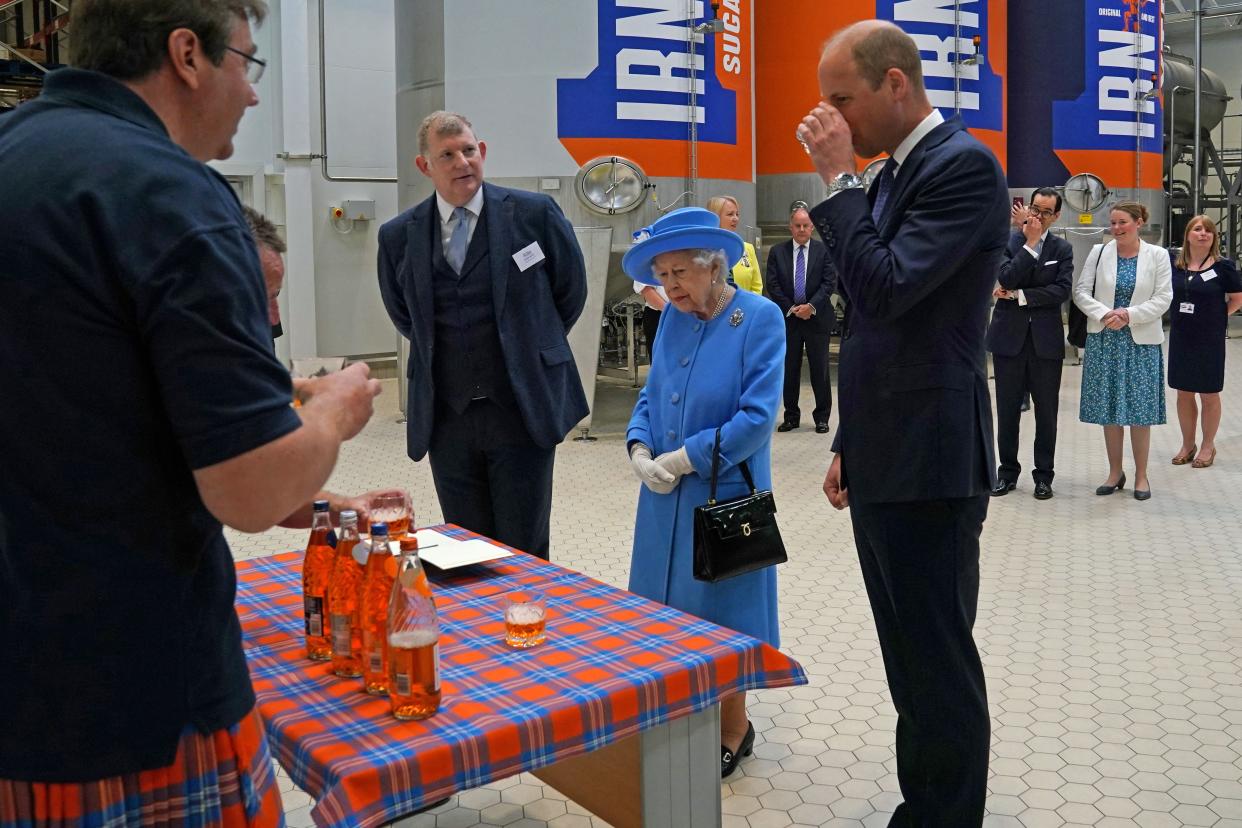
(358, 209)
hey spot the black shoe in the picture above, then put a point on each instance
(1121, 484)
(821, 428)
(1003, 487)
(1142, 494)
(788, 425)
(1043, 491)
(729, 760)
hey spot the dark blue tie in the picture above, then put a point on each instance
(800, 276)
(883, 188)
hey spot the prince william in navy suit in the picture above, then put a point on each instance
(468, 269)
(916, 260)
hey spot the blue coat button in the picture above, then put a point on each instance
(672, 435)
(676, 398)
(685, 361)
(698, 326)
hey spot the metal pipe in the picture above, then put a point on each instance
(1198, 176)
(1168, 202)
(12, 50)
(692, 179)
(957, 57)
(323, 113)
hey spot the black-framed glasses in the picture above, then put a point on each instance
(1043, 214)
(254, 66)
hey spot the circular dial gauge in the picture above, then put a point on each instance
(1085, 193)
(610, 185)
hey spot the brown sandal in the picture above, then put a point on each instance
(1183, 459)
(1200, 463)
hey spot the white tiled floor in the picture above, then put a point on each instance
(1111, 633)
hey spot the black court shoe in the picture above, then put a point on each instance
(1106, 489)
(730, 760)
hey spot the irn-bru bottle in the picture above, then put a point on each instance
(316, 572)
(344, 599)
(413, 641)
(377, 583)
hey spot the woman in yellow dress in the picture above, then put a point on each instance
(746, 273)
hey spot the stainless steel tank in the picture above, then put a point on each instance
(1178, 85)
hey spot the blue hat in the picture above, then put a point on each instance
(690, 228)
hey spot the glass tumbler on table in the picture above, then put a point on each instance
(526, 619)
(393, 508)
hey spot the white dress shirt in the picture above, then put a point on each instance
(1043, 239)
(448, 223)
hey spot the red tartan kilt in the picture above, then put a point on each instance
(217, 780)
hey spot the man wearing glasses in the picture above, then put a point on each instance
(149, 411)
(1027, 341)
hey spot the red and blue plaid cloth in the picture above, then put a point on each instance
(613, 664)
(217, 780)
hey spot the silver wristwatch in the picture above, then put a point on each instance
(844, 181)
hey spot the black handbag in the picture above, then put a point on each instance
(735, 536)
(1077, 320)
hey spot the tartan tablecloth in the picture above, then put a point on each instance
(613, 664)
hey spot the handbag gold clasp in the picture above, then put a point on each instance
(746, 529)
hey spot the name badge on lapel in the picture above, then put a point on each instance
(528, 256)
(1207, 275)
(1187, 307)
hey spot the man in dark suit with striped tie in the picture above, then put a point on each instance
(801, 279)
(916, 260)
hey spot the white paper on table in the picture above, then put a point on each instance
(445, 552)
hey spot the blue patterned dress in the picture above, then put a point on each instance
(1122, 383)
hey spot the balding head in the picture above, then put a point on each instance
(871, 71)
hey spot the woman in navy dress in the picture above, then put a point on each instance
(1206, 291)
(718, 363)
(1124, 289)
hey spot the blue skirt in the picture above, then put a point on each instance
(1122, 383)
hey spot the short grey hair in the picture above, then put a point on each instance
(443, 124)
(261, 228)
(704, 257)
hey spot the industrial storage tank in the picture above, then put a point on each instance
(619, 110)
(1085, 109)
(1178, 86)
(960, 78)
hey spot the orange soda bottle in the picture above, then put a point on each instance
(344, 599)
(316, 572)
(413, 641)
(377, 582)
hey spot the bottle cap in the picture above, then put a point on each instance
(409, 544)
(349, 517)
(378, 529)
(321, 505)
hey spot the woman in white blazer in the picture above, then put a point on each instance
(1124, 289)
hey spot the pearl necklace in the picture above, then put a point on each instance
(721, 302)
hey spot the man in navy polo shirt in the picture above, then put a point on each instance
(143, 409)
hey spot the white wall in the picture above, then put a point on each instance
(331, 304)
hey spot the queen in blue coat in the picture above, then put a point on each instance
(718, 362)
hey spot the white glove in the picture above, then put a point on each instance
(649, 472)
(675, 463)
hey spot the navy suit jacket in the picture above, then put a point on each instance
(1045, 283)
(821, 280)
(534, 308)
(916, 413)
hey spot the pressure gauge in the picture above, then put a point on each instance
(610, 185)
(1085, 193)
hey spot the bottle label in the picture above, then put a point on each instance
(313, 607)
(376, 660)
(340, 635)
(403, 684)
(435, 660)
